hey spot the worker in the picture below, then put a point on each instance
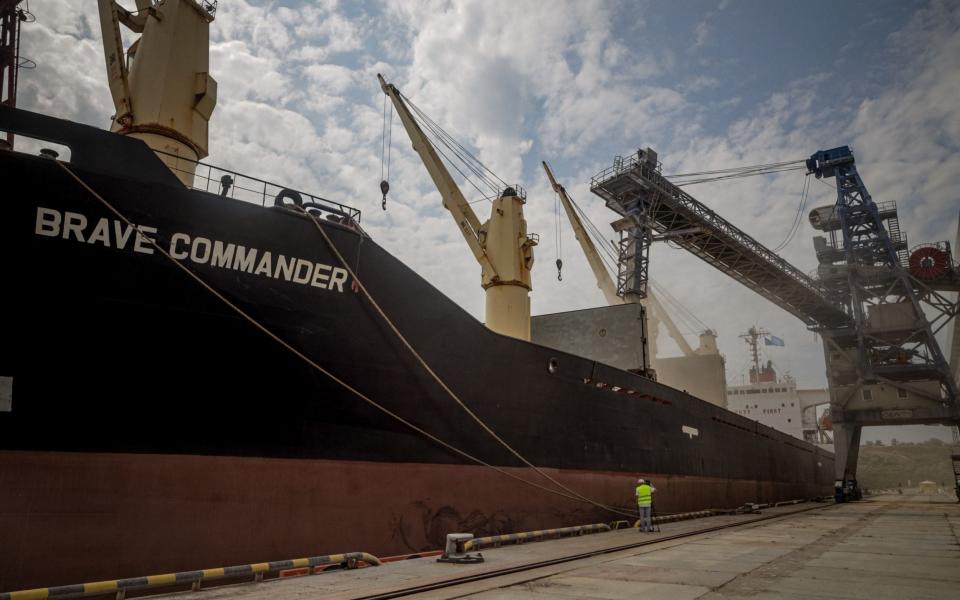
(645, 503)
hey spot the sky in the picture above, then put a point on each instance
(708, 85)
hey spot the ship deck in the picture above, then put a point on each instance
(883, 547)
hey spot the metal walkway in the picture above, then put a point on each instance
(888, 547)
(635, 188)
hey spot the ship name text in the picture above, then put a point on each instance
(112, 233)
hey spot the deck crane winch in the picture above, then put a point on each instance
(500, 244)
(161, 85)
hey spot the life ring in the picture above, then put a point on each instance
(286, 193)
(929, 263)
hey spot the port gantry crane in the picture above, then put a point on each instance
(501, 244)
(884, 366)
(605, 282)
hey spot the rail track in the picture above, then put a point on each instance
(455, 581)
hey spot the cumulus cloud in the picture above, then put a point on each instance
(69, 80)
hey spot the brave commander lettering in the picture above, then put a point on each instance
(112, 233)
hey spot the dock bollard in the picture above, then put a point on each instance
(454, 553)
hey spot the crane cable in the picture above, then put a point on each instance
(386, 144)
(474, 163)
(479, 171)
(443, 384)
(738, 175)
(735, 172)
(690, 320)
(798, 218)
(570, 494)
(610, 261)
(559, 235)
(737, 169)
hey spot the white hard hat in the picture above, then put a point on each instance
(640, 480)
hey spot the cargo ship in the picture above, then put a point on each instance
(192, 380)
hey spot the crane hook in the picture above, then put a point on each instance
(559, 270)
(384, 187)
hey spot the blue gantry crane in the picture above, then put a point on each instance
(888, 368)
(876, 304)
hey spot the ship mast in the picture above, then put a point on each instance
(500, 244)
(752, 337)
(161, 85)
(11, 16)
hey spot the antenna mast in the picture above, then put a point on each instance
(752, 337)
(11, 16)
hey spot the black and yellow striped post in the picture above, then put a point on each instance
(194, 578)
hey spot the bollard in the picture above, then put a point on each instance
(453, 553)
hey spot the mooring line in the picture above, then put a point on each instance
(300, 354)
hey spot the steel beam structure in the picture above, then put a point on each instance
(884, 366)
(635, 188)
(891, 371)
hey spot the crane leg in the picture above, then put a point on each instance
(846, 450)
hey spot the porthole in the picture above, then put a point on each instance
(553, 366)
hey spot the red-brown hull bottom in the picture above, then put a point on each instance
(75, 517)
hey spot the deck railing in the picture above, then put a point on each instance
(231, 184)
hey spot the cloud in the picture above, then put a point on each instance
(70, 78)
(908, 137)
(703, 28)
(243, 74)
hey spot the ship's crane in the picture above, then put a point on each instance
(605, 282)
(501, 244)
(884, 366)
(161, 85)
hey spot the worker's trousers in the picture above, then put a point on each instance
(645, 524)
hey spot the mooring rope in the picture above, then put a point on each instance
(246, 316)
(440, 381)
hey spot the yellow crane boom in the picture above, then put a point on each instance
(500, 244)
(453, 199)
(605, 282)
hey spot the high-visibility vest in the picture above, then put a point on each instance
(644, 494)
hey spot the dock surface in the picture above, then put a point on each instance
(887, 547)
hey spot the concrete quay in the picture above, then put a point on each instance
(886, 547)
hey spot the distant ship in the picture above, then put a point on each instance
(778, 402)
(148, 427)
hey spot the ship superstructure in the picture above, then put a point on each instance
(777, 401)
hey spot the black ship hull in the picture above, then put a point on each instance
(153, 429)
